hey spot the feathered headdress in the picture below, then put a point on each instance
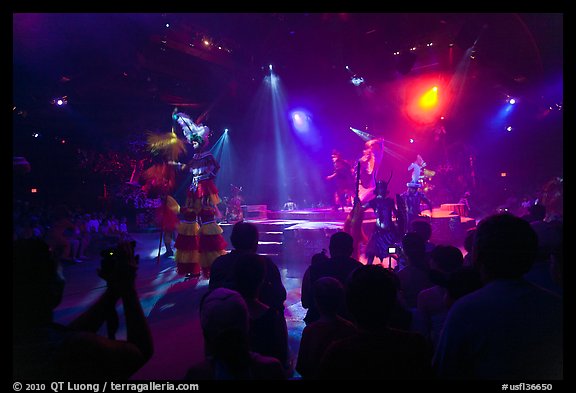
(193, 132)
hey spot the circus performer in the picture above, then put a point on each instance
(416, 168)
(159, 182)
(412, 198)
(370, 164)
(385, 234)
(343, 179)
(199, 238)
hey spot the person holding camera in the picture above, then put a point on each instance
(46, 350)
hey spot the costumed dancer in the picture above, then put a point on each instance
(370, 161)
(416, 168)
(199, 240)
(343, 178)
(367, 169)
(412, 199)
(385, 233)
(159, 181)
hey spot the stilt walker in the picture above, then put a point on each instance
(199, 237)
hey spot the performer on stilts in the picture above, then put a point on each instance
(199, 238)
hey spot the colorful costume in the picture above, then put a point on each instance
(385, 233)
(199, 238)
(343, 178)
(369, 167)
(412, 198)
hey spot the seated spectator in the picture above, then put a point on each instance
(330, 327)
(414, 276)
(468, 242)
(430, 305)
(423, 227)
(549, 241)
(224, 320)
(244, 239)
(508, 329)
(376, 351)
(459, 283)
(339, 265)
(268, 331)
(46, 350)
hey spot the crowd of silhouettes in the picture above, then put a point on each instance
(494, 313)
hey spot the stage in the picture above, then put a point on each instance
(291, 237)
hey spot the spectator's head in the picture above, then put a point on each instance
(319, 257)
(505, 246)
(249, 274)
(461, 282)
(244, 236)
(414, 247)
(469, 239)
(341, 245)
(549, 238)
(446, 259)
(224, 322)
(371, 295)
(37, 282)
(328, 295)
(422, 227)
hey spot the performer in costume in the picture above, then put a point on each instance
(412, 198)
(416, 168)
(159, 181)
(367, 171)
(385, 233)
(199, 238)
(369, 167)
(343, 178)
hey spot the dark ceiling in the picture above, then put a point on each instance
(122, 70)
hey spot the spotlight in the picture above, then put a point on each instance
(411, 140)
(60, 101)
(509, 128)
(357, 80)
(270, 67)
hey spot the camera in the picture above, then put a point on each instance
(112, 256)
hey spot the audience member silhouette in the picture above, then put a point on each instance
(46, 350)
(377, 351)
(244, 239)
(224, 320)
(330, 327)
(468, 243)
(549, 241)
(414, 276)
(339, 265)
(268, 331)
(508, 329)
(461, 282)
(423, 227)
(431, 306)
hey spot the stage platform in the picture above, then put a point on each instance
(292, 237)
